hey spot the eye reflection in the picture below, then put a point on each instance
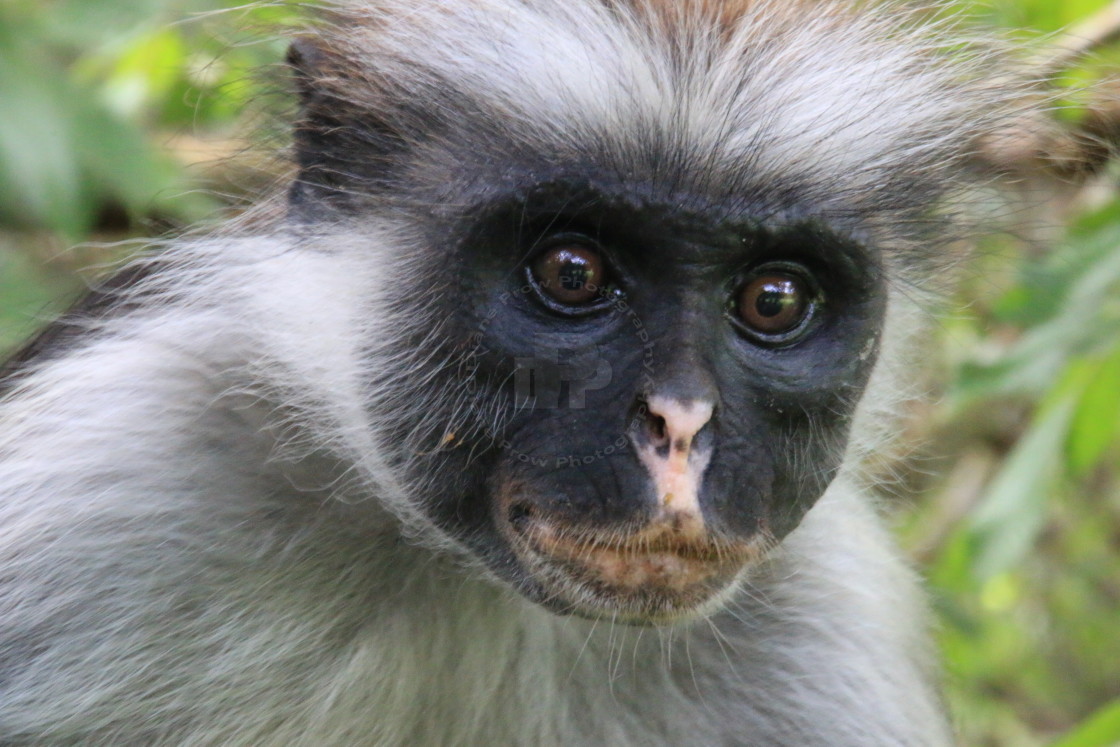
(570, 274)
(773, 303)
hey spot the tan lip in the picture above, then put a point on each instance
(683, 570)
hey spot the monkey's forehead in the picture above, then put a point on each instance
(848, 109)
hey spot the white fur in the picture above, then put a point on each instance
(203, 577)
(203, 541)
(837, 96)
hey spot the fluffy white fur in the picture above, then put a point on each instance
(198, 585)
(202, 540)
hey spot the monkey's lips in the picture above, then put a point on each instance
(652, 576)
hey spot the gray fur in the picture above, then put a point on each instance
(205, 539)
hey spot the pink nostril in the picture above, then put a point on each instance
(675, 422)
(657, 429)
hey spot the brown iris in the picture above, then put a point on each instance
(570, 274)
(773, 303)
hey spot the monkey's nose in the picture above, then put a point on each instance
(666, 439)
(671, 425)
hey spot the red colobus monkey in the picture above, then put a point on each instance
(538, 416)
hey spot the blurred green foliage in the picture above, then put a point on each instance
(91, 91)
(1023, 562)
(86, 87)
(1028, 581)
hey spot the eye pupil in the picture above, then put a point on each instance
(774, 303)
(571, 275)
(774, 300)
(575, 276)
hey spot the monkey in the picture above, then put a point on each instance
(539, 413)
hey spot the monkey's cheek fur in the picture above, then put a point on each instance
(653, 575)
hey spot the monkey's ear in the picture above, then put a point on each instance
(305, 58)
(341, 140)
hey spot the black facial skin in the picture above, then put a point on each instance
(573, 382)
(530, 411)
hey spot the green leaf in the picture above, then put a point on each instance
(1096, 422)
(146, 71)
(1102, 729)
(1006, 522)
(40, 172)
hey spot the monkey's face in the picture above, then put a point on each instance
(647, 397)
(649, 281)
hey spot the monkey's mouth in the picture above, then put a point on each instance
(654, 575)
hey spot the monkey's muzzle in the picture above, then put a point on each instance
(663, 572)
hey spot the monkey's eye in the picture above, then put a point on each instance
(775, 304)
(572, 275)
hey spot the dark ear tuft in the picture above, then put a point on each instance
(341, 139)
(305, 57)
(303, 52)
